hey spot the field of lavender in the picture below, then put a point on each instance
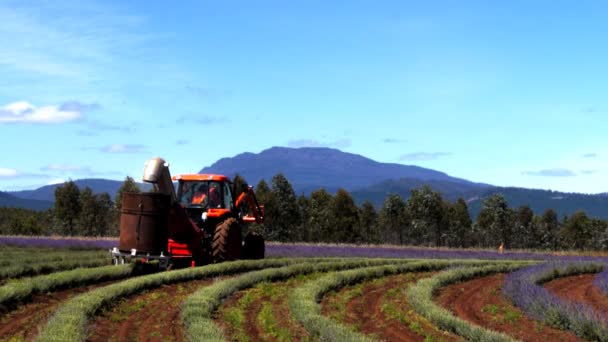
(57, 289)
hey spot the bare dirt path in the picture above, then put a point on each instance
(480, 301)
(580, 288)
(23, 322)
(152, 315)
(379, 308)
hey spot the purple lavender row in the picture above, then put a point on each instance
(601, 281)
(312, 250)
(524, 290)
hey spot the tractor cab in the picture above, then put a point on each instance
(207, 193)
(204, 196)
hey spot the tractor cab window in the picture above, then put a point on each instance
(204, 194)
(227, 196)
(193, 193)
(215, 195)
(184, 193)
(200, 196)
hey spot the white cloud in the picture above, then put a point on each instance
(55, 181)
(419, 156)
(61, 167)
(6, 172)
(340, 143)
(65, 170)
(84, 48)
(66, 39)
(551, 173)
(202, 120)
(123, 148)
(393, 141)
(24, 112)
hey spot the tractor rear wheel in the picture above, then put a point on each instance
(227, 241)
(254, 247)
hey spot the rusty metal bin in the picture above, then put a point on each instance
(144, 220)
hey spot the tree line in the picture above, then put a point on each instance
(76, 212)
(425, 219)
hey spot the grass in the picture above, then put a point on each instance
(70, 320)
(396, 307)
(19, 290)
(271, 326)
(304, 300)
(22, 270)
(198, 309)
(269, 295)
(524, 289)
(492, 309)
(338, 300)
(46, 257)
(420, 297)
(502, 313)
(235, 315)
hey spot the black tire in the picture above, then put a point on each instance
(227, 241)
(254, 247)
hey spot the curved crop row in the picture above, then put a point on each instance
(8, 250)
(420, 297)
(524, 290)
(199, 307)
(378, 308)
(70, 320)
(24, 270)
(303, 302)
(52, 257)
(43, 251)
(18, 290)
(601, 281)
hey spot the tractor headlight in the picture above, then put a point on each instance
(204, 216)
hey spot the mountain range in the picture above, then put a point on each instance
(310, 168)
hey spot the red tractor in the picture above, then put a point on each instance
(199, 224)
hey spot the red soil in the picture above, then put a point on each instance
(580, 288)
(366, 314)
(280, 311)
(23, 322)
(149, 316)
(480, 301)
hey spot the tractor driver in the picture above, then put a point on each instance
(200, 195)
(214, 196)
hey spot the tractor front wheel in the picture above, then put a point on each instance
(227, 241)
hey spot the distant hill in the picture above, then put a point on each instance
(34, 199)
(563, 203)
(309, 168)
(450, 190)
(538, 200)
(8, 200)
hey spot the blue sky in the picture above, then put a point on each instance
(510, 93)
